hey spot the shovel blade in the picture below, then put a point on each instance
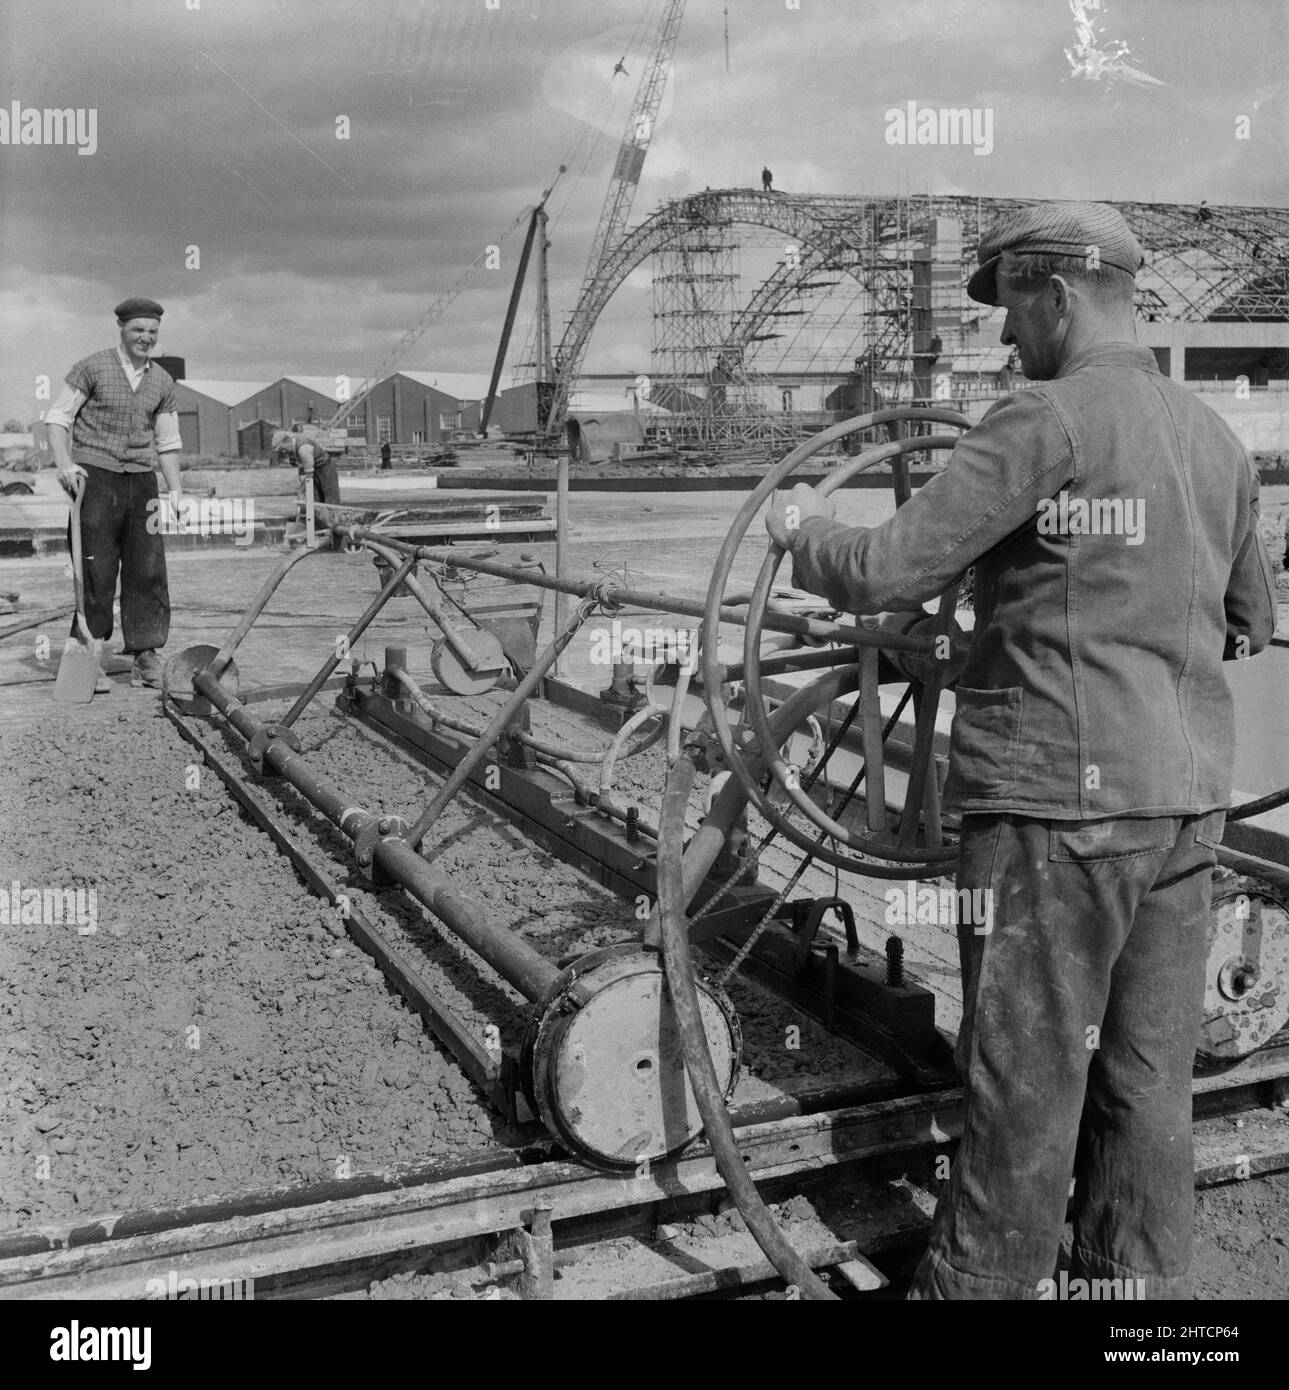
(77, 673)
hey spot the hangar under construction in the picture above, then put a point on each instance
(862, 301)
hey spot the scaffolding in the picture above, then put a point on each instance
(866, 298)
(848, 304)
(698, 372)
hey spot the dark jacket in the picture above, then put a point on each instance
(1094, 685)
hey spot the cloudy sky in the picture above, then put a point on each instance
(217, 124)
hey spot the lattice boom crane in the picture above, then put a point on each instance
(616, 210)
(429, 317)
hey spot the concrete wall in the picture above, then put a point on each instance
(1178, 337)
(1261, 421)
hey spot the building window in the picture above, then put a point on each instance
(384, 432)
(449, 420)
(418, 436)
(356, 421)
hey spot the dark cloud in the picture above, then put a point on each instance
(217, 128)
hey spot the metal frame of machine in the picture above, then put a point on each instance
(632, 1030)
(629, 1053)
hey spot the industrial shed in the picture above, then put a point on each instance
(295, 400)
(414, 407)
(209, 416)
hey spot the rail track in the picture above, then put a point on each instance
(520, 1224)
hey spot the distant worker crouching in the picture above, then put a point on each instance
(307, 449)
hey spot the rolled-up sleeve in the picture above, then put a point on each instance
(168, 438)
(66, 408)
(997, 475)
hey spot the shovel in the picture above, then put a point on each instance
(311, 537)
(308, 535)
(78, 670)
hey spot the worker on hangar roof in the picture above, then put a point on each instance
(1112, 519)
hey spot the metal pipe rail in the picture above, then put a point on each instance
(548, 749)
(323, 674)
(548, 754)
(495, 726)
(602, 801)
(614, 595)
(518, 963)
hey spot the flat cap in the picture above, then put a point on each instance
(137, 307)
(1055, 229)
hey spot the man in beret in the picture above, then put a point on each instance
(1112, 522)
(118, 409)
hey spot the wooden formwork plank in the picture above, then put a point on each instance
(274, 1245)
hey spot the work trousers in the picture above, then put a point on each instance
(326, 481)
(116, 539)
(1082, 995)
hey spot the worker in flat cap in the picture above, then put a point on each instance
(1112, 520)
(115, 422)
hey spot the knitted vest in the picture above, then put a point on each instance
(116, 427)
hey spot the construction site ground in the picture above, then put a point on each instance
(219, 1033)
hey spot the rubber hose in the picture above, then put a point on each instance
(708, 1092)
(1255, 808)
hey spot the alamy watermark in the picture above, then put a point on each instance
(49, 907)
(645, 646)
(178, 1287)
(912, 124)
(50, 125)
(207, 516)
(90, 1343)
(941, 907)
(1064, 515)
(1091, 1290)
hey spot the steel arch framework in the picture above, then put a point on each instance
(1222, 262)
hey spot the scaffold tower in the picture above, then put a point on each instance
(697, 372)
(869, 290)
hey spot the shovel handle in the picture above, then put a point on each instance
(310, 536)
(78, 571)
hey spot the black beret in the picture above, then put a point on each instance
(138, 308)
